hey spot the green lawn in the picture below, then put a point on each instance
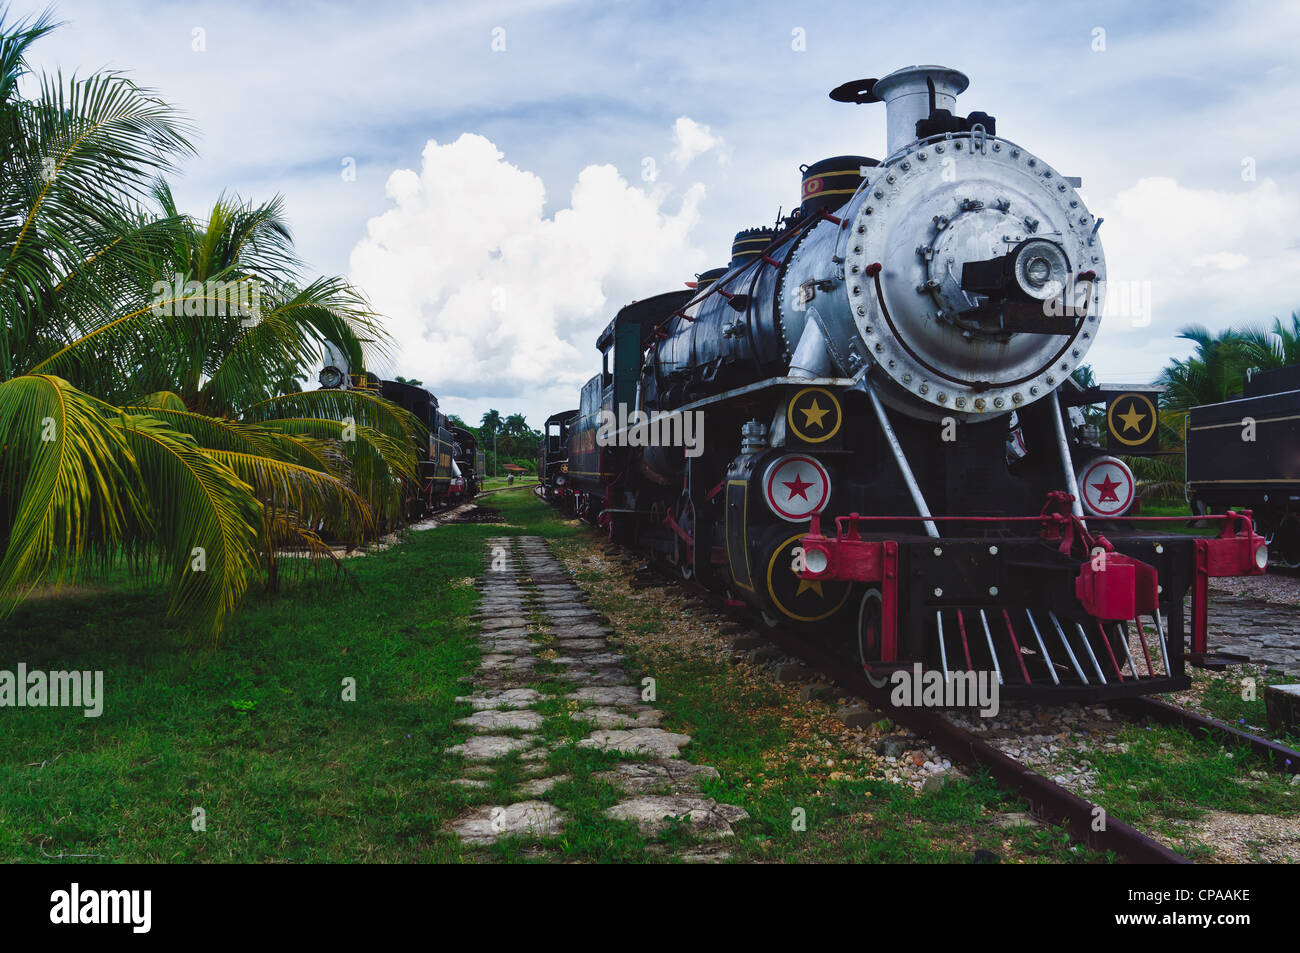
(256, 733)
(495, 483)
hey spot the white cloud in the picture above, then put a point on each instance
(1215, 257)
(692, 140)
(491, 300)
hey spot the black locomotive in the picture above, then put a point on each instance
(1246, 453)
(451, 464)
(553, 458)
(864, 425)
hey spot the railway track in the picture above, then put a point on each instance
(1087, 822)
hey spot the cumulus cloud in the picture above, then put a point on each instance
(491, 301)
(692, 140)
(1214, 257)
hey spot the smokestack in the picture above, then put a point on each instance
(911, 93)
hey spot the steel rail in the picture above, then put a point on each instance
(1087, 823)
(1278, 756)
(1044, 796)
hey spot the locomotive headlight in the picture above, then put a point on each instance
(1041, 269)
(1261, 558)
(815, 560)
(331, 377)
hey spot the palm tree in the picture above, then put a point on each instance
(134, 418)
(1213, 373)
(1273, 347)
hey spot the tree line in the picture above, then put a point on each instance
(505, 440)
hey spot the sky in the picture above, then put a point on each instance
(500, 177)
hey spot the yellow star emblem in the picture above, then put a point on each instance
(806, 584)
(813, 414)
(1132, 420)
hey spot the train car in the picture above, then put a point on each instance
(553, 458)
(441, 481)
(1246, 453)
(468, 462)
(864, 426)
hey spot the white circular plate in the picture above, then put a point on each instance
(1107, 487)
(795, 487)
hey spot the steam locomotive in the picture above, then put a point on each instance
(451, 464)
(553, 458)
(865, 425)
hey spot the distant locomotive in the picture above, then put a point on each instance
(1246, 452)
(893, 362)
(451, 465)
(553, 459)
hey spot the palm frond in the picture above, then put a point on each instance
(204, 521)
(67, 482)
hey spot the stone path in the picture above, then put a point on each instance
(1266, 632)
(541, 642)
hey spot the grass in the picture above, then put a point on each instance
(257, 734)
(495, 483)
(1165, 776)
(1223, 700)
(781, 772)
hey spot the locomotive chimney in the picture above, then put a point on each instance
(911, 94)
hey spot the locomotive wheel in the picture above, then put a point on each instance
(1286, 540)
(682, 552)
(868, 631)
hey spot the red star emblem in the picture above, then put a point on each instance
(797, 487)
(1107, 488)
